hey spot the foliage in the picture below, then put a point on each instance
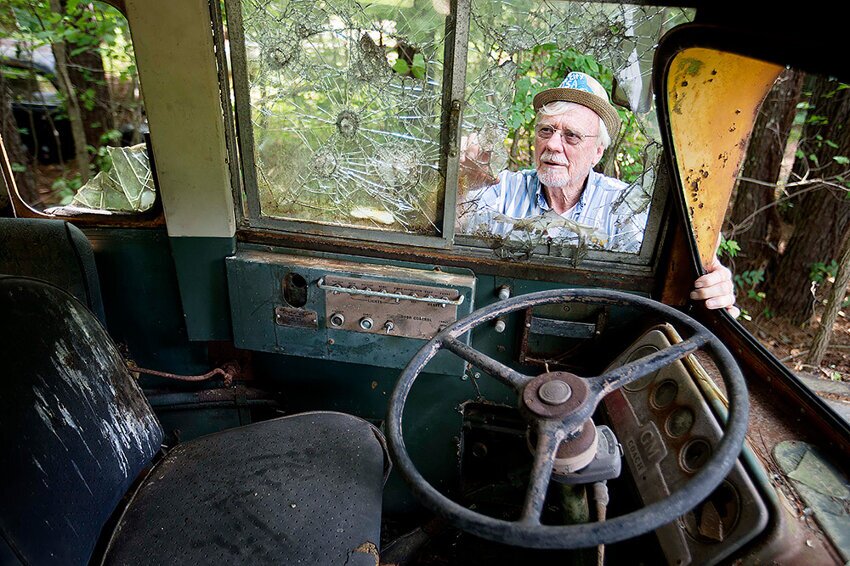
(86, 28)
(66, 188)
(820, 271)
(727, 247)
(748, 281)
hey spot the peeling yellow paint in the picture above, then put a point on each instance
(713, 101)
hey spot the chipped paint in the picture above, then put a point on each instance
(713, 98)
(126, 427)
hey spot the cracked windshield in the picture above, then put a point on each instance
(346, 105)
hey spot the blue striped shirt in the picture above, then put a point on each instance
(609, 214)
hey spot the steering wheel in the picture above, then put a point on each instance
(557, 414)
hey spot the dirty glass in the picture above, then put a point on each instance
(345, 107)
(518, 48)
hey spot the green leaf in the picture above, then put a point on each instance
(19, 167)
(831, 144)
(401, 67)
(841, 159)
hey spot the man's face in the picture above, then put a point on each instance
(567, 156)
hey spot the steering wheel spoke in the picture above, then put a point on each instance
(498, 370)
(634, 370)
(550, 434)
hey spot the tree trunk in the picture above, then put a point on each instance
(72, 105)
(833, 305)
(25, 180)
(823, 210)
(85, 69)
(86, 73)
(755, 221)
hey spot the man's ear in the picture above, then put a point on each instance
(600, 151)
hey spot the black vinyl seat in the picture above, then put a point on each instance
(54, 251)
(76, 432)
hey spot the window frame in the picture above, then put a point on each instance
(245, 189)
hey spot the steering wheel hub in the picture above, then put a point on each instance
(555, 394)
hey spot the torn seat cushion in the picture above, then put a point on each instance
(304, 489)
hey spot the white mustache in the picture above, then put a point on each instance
(554, 158)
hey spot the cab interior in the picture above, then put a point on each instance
(262, 381)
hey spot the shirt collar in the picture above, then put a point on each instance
(541, 198)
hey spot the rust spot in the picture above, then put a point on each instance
(684, 83)
(737, 111)
(701, 205)
(714, 71)
(733, 128)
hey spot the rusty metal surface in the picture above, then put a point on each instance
(397, 317)
(578, 395)
(603, 275)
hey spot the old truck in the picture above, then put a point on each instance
(302, 353)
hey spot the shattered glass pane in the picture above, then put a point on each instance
(126, 186)
(345, 104)
(518, 48)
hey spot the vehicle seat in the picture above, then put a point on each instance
(54, 251)
(76, 432)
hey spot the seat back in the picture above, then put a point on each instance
(75, 429)
(54, 251)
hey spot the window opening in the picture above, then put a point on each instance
(76, 134)
(519, 48)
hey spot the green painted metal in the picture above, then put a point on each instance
(141, 300)
(255, 281)
(203, 289)
(823, 487)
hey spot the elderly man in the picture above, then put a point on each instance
(568, 197)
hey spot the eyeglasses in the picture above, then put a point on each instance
(568, 136)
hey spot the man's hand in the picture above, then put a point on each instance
(716, 288)
(475, 164)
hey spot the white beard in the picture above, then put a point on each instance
(552, 179)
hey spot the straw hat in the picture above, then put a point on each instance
(582, 89)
